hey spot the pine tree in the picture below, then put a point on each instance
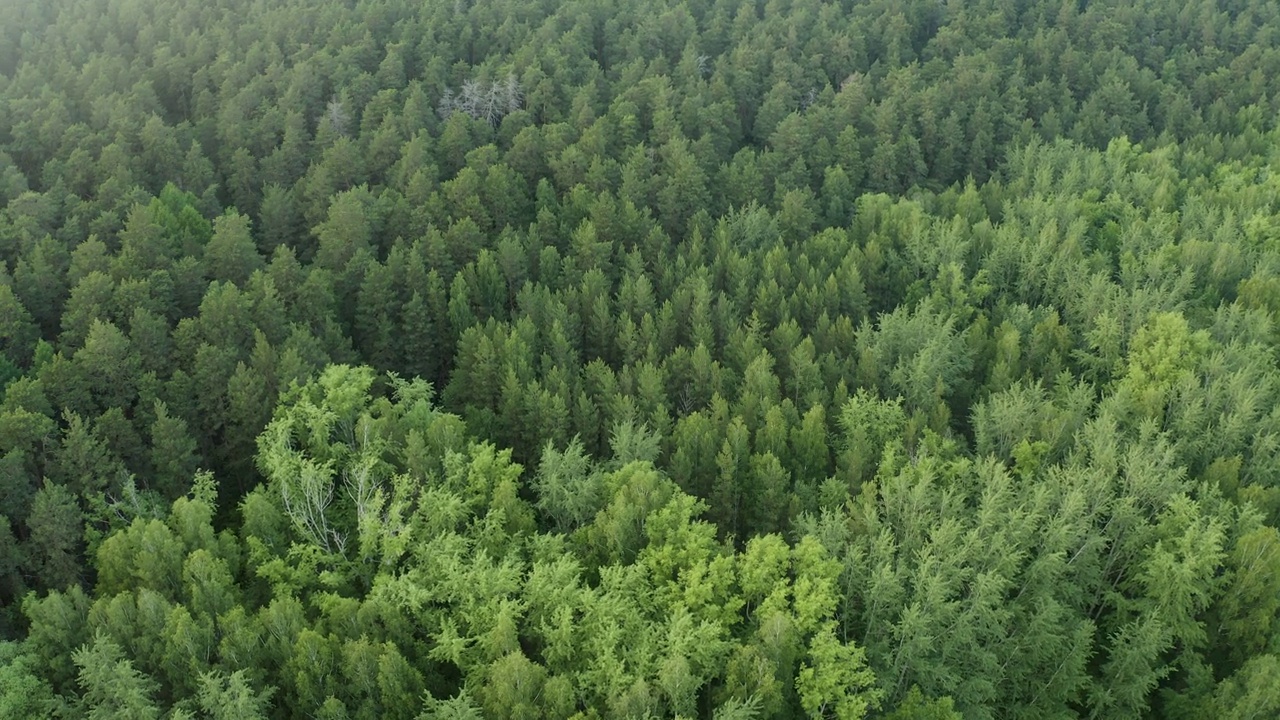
(56, 525)
(112, 687)
(173, 454)
(231, 254)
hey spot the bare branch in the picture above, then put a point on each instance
(482, 100)
(338, 117)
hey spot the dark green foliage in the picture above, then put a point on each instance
(56, 525)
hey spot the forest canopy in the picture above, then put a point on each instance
(595, 359)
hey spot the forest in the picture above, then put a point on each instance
(613, 359)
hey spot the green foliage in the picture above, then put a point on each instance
(56, 525)
(112, 687)
(22, 692)
(797, 359)
(834, 679)
(230, 697)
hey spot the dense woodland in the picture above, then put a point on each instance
(601, 359)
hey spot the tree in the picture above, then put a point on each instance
(1133, 668)
(279, 221)
(18, 331)
(1162, 353)
(1249, 608)
(376, 311)
(231, 697)
(767, 494)
(916, 707)
(173, 453)
(83, 463)
(834, 680)
(56, 525)
(460, 707)
(916, 354)
(694, 455)
(569, 490)
(12, 585)
(513, 687)
(871, 427)
(40, 282)
(112, 687)
(17, 483)
(838, 194)
(232, 255)
(1251, 692)
(347, 230)
(684, 187)
(728, 492)
(144, 244)
(109, 363)
(22, 692)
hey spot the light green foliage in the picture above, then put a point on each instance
(113, 688)
(567, 493)
(1251, 692)
(916, 707)
(22, 692)
(917, 355)
(1164, 353)
(1251, 602)
(461, 707)
(870, 427)
(231, 698)
(834, 681)
(323, 445)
